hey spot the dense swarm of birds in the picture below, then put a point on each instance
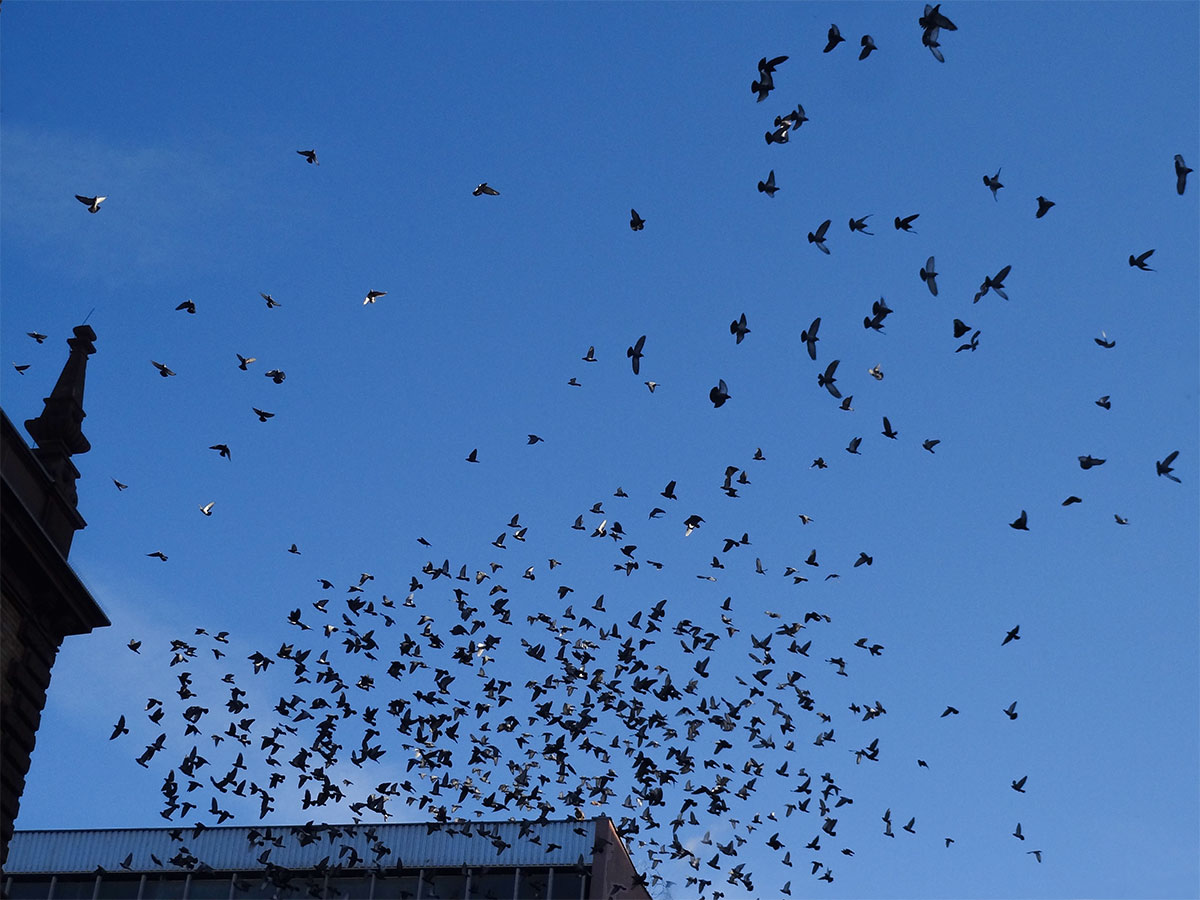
(492, 705)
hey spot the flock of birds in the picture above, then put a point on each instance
(500, 708)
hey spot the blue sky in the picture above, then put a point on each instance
(187, 117)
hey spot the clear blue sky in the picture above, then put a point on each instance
(187, 117)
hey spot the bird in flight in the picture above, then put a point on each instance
(1043, 207)
(1104, 342)
(1021, 523)
(244, 361)
(1088, 461)
(1139, 262)
(719, 394)
(835, 38)
(473, 456)
(930, 443)
(1011, 711)
(868, 44)
(738, 328)
(21, 367)
(1164, 466)
(189, 305)
(158, 554)
(818, 237)
(1017, 833)
(768, 187)
(905, 224)
(1012, 635)
(223, 449)
(120, 486)
(809, 337)
(888, 430)
(162, 369)
(93, 203)
(993, 183)
(40, 338)
(929, 276)
(372, 296)
(1181, 174)
(766, 72)
(262, 415)
(993, 283)
(860, 225)
(1019, 784)
(932, 22)
(827, 378)
(207, 508)
(1036, 854)
(310, 156)
(635, 354)
(636, 222)
(271, 301)
(1104, 402)
(485, 188)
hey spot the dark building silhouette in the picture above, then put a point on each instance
(539, 860)
(41, 599)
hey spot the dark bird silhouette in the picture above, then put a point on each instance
(993, 283)
(310, 156)
(21, 367)
(134, 645)
(1012, 635)
(835, 38)
(40, 338)
(929, 276)
(485, 188)
(473, 456)
(1037, 854)
(910, 827)
(818, 237)
(92, 203)
(1089, 461)
(852, 447)
(809, 337)
(993, 183)
(276, 376)
(827, 378)
(768, 187)
(535, 439)
(766, 81)
(118, 729)
(188, 305)
(1072, 500)
(932, 22)
(636, 222)
(162, 369)
(738, 328)
(1017, 833)
(930, 443)
(888, 431)
(244, 361)
(1104, 342)
(1139, 261)
(1011, 712)
(905, 224)
(972, 344)
(1021, 523)
(960, 328)
(868, 44)
(271, 301)
(1164, 466)
(1019, 784)
(635, 354)
(860, 225)
(263, 415)
(950, 711)
(1043, 206)
(669, 491)
(719, 394)
(223, 449)
(1181, 174)
(158, 554)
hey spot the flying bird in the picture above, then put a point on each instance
(835, 38)
(1012, 635)
(876, 372)
(535, 439)
(1021, 523)
(244, 361)
(120, 487)
(635, 354)
(993, 183)
(868, 44)
(162, 369)
(262, 414)
(158, 554)
(1089, 461)
(1164, 466)
(40, 338)
(1017, 833)
(818, 237)
(905, 224)
(932, 22)
(809, 337)
(1037, 854)
(636, 222)
(92, 203)
(766, 82)
(1019, 784)
(972, 344)
(21, 367)
(372, 296)
(473, 456)
(860, 225)
(719, 394)
(738, 328)
(960, 328)
(189, 305)
(930, 443)
(827, 378)
(1011, 711)
(276, 375)
(1043, 206)
(310, 157)
(888, 431)
(206, 509)
(1139, 262)
(223, 449)
(929, 276)
(118, 729)
(271, 301)
(768, 187)
(949, 711)
(852, 447)
(485, 188)
(993, 283)
(1104, 342)
(1181, 174)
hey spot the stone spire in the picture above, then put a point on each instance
(57, 431)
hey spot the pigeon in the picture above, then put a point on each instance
(779, 135)
(809, 337)
(827, 378)
(868, 44)
(1021, 523)
(1139, 262)
(276, 376)
(972, 344)
(929, 276)
(310, 156)
(768, 187)
(635, 354)
(876, 372)
(1012, 714)
(818, 237)
(1012, 635)
(206, 509)
(1104, 342)
(93, 203)
(1120, 519)
(223, 449)
(473, 456)
(932, 22)
(960, 328)
(40, 338)
(189, 305)
(1163, 466)
(1037, 854)
(485, 188)
(158, 554)
(1072, 500)
(1019, 784)
(860, 225)
(1181, 174)
(372, 296)
(993, 283)
(262, 414)
(21, 367)
(835, 38)
(888, 432)
(535, 439)
(162, 370)
(852, 447)
(949, 711)
(719, 394)
(120, 486)
(1043, 207)
(118, 729)
(271, 301)
(134, 645)
(244, 361)
(590, 356)
(294, 549)
(636, 222)
(738, 328)
(930, 443)
(905, 224)
(1017, 834)
(993, 183)
(1089, 461)
(651, 385)
(766, 71)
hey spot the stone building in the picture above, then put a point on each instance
(42, 600)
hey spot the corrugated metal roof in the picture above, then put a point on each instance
(411, 845)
